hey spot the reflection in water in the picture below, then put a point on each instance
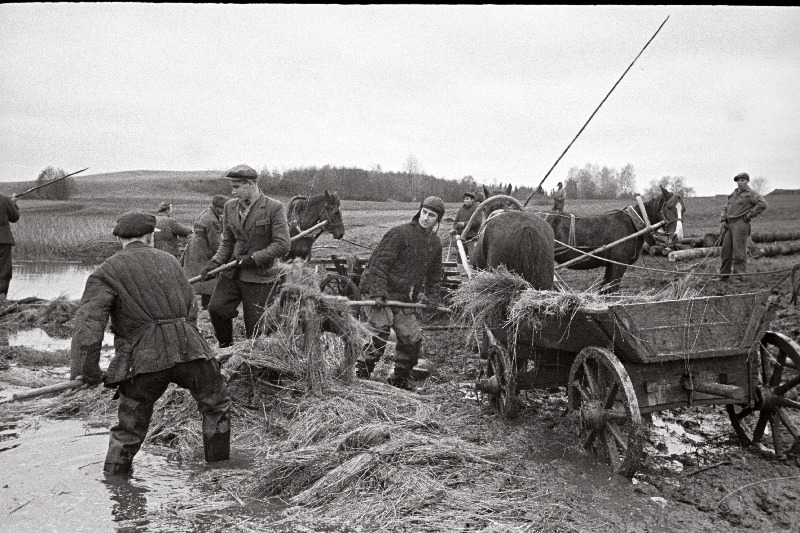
(129, 500)
(48, 280)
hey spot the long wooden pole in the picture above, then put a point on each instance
(58, 387)
(45, 184)
(539, 188)
(607, 246)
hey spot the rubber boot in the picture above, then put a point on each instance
(364, 369)
(223, 329)
(399, 378)
(217, 447)
(118, 462)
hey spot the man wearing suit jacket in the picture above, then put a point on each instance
(255, 233)
(9, 213)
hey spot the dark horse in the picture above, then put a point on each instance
(521, 241)
(304, 212)
(589, 233)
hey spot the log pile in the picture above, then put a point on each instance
(769, 244)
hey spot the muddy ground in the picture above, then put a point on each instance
(697, 476)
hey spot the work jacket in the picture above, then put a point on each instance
(740, 203)
(201, 248)
(463, 216)
(407, 259)
(153, 315)
(9, 213)
(167, 238)
(263, 235)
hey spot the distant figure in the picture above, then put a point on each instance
(462, 217)
(153, 312)
(9, 213)
(255, 234)
(407, 260)
(559, 196)
(203, 245)
(744, 204)
(169, 229)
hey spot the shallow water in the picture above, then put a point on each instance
(51, 480)
(38, 339)
(48, 280)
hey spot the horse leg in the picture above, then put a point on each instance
(613, 278)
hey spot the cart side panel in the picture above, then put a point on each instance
(690, 329)
(569, 334)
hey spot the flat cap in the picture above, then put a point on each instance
(744, 175)
(164, 206)
(470, 194)
(242, 172)
(134, 224)
(219, 200)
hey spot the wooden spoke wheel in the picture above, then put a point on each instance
(772, 421)
(339, 285)
(499, 382)
(601, 391)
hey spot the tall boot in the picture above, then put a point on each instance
(223, 329)
(217, 447)
(400, 378)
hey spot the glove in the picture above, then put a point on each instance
(431, 305)
(246, 262)
(211, 265)
(453, 232)
(380, 303)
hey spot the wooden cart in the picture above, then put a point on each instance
(628, 360)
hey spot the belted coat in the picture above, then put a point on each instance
(153, 314)
(263, 235)
(201, 248)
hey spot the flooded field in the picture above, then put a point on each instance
(48, 280)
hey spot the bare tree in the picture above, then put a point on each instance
(412, 169)
(56, 191)
(760, 185)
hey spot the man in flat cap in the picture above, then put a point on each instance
(462, 217)
(406, 262)
(744, 204)
(255, 234)
(153, 313)
(169, 230)
(203, 245)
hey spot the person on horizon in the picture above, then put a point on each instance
(153, 312)
(9, 214)
(169, 229)
(255, 233)
(462, 217)
(407, 259)
(559, 197)
(744, 204)
(203, 245)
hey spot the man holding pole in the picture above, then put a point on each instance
(9, 214)
(744, 204)
(408, 259)
(203, 245)
(255, 234)
(153, 312)
(462, 217)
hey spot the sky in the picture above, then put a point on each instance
(494, 92)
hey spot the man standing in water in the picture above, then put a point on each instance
(9, 214)
(153, 313)
(169, 230)
(408, 259)
(203, 245)
(256, 234)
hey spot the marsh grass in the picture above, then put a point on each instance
(38, 358)
(49, 236)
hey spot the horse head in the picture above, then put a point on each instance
(333, 215)
(669, 208)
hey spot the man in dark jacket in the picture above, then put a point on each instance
(9, 214)
(744, 204)
(169, 230)
(559, 197)
(153, 315)
(462, 217)
(407, 260)
(255, 233)
(202, 247)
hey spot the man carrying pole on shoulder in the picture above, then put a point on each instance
(153, 312)
(407, 260)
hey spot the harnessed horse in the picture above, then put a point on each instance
(305, 212)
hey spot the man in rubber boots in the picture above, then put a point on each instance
(744, 204)
(153, 313)
(407, 260)
(255, 234)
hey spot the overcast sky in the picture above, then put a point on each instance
(495, 92)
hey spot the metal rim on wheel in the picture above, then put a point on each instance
(769, 423)
(340, 285)
(602, 392)
(499, 383)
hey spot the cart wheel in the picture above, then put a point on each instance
(600, 388)
(499, 383)
(771, 421)
(339, 285)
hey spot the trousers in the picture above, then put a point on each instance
(734, 247)
(228, 294)
(406, 327)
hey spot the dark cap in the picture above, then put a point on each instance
(134, 224)
(560, 184)
(470, 194)
(744, 175)
(164, 206)
(242, 173)
(435, 204)
(219, 200)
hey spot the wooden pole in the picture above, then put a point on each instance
(58, 387)
(607, 246)
(45, 184)
(395, 303)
